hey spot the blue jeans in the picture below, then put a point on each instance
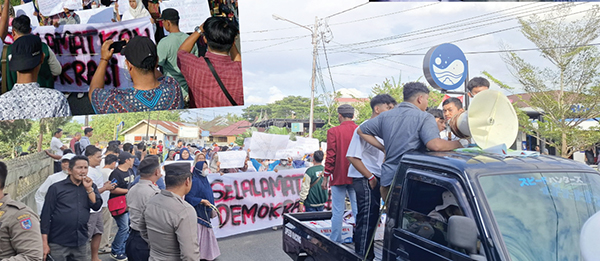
(368, 201)
(338, 206)
(313, 209)
(118, 244)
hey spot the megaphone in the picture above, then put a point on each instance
(589, 240)
(490, 120)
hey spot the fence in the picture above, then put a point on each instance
(26, 174)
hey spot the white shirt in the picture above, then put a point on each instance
(371, 156)
(98, 179)
(55, 145)
(40, 194)
(444, 135)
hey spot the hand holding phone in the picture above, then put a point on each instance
(113, 181)
(117, 46)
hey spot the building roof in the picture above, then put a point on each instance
(287, 123)
(351, 100)
(233, 129)
(215, 125)
(166, 127)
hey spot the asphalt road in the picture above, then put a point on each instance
(263, 245)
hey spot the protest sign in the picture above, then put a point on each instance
(123, 6)
(50, 7)
(189, 18)
(78, 46)
(96, 15)
(232, 159)
(27, 9)
(247, 142)
(265, 145)
(73, 4)
(250, 201)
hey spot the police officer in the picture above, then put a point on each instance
(20, 236)
(171, 221)
(137, 197)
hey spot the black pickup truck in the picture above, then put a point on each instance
(513, 208)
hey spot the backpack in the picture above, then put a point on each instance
(78, 149)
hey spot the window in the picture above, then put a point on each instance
(427, 210)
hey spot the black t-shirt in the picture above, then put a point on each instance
(123, 179)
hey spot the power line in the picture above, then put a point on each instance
(274, 39)
(280, 43)
(383, 15)
(327, 60)
(352, 8)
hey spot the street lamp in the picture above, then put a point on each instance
(314, 68)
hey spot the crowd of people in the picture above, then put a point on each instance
(202, 69)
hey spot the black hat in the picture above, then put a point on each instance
(123, 156)
(149, 164)
(138, 49)
(169, 14)
(177, 169)
(26, 53)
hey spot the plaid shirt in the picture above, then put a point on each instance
(204, 89)
(29, 101)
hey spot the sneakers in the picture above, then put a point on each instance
(104, 250)
(119, 257)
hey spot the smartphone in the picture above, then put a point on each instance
(114, 181)
(117, 46)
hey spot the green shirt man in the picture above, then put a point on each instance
(167, 58)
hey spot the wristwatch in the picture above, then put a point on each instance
(197, 29)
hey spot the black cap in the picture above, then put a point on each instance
(169, 14)
(123, 156)
(26, 53)
(149, 164)
(177, 169)
(138, 49)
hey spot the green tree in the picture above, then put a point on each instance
(568, 92)
(12, 134)
(285, 109)
(105, 125)
(47, 126)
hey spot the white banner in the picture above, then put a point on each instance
(50, 7)
(77, 48)
(232, 159)
(249, 201)
(96, 15)
(27, 9)
(266, 146)
(189, 132)
(189, 18)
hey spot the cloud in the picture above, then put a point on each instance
(274, 94)
(348, 93)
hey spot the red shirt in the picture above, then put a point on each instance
(204, 88)
(160, 148)
(336, 163)
(72, 144)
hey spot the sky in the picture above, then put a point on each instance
(277, 54)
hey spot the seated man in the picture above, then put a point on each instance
(149, 92)
(27, 100)
(216, 79)
(447, 209)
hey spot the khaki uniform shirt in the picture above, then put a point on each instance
(172, 228)
(137, 197)
(20, 236)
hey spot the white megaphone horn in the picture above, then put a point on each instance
(490, 120)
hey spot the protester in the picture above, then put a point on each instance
(452, 107)
(283, 165)
(161, 148)
(75, 139)
(136, 10)
(68, 16)
(153, 150)
(477, 85)
(406, 128)
(171, 155)
(85, 140)
(169, 218)
(66, 213)
(167, 48)
(365, 171)
(312, 195)
(439, 119)
(149, 92)
(20, 231)
(96, 223)
(201, 198)
(40, 194)
(110, 161)
(123, 177)
(57, 147)
(200, 157)
(336, 168)
(185, 154)
(137, 197)
(50, 67)
(224, 59)
(27, 100)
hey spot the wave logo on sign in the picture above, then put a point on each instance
(445, 67)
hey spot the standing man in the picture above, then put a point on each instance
(124, 176)
(477, 85)
(160, 147)
(223, 57)
(57, 148)
(312, 195)
(40, 194)
(451, 107)
(138, 196)
(405, 128)
(96, 222)
(85, 140)
(167, 49)
(110, 161)
(336, 169)
(365, 171)
(74, 140)
(20, 237)
(66, 213)
(171, 222)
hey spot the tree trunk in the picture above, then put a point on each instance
(563, 146)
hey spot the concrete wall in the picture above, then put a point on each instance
(26, 174)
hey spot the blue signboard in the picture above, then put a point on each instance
(205, 133)
(445, 67)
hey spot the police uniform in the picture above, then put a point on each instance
(171, 223)
(137, 197)
(20, 236)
